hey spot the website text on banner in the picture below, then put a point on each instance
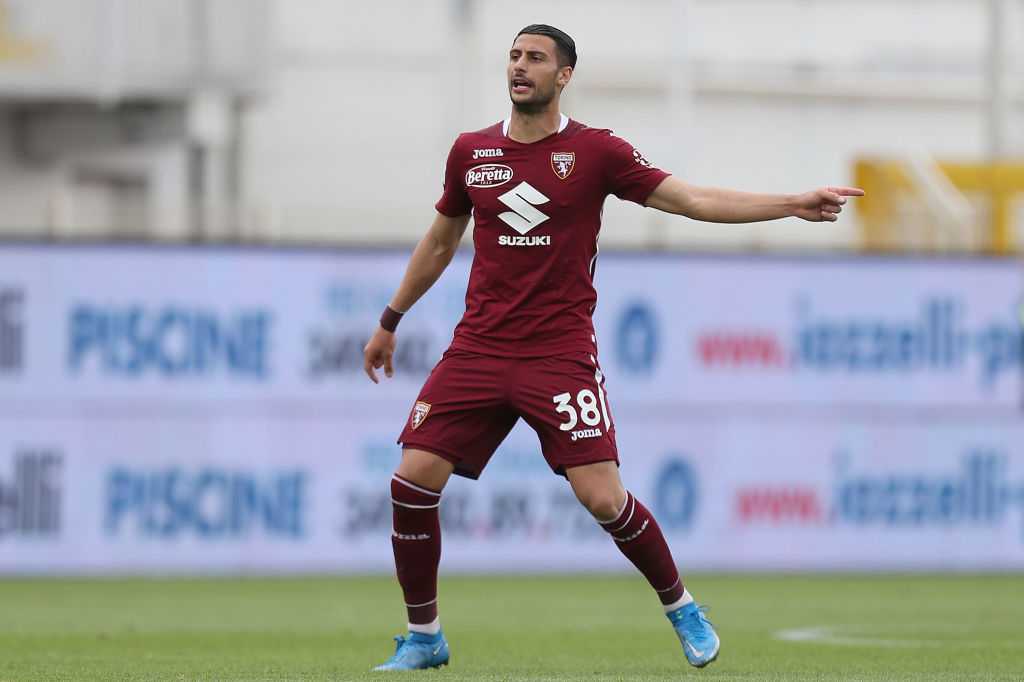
(191, 410)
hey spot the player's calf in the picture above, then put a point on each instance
(640, 540)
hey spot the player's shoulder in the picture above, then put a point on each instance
(466, 143)
(591, 135)
(616, 151)
(574, 128)
(484, 134)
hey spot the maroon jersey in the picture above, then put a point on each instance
(537, 214)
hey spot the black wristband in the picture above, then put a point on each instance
(390, 318)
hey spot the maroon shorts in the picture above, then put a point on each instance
(470, 402)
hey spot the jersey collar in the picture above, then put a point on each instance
(561, 125)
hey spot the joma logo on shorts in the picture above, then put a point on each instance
(488, 175)
(586, 433)
(521, 240)
(487, 153)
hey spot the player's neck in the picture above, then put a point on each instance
(528, 128)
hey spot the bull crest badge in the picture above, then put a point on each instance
(419, 413)
(562, 163)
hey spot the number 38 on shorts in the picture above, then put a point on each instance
(582, 415)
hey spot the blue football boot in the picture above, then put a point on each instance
(700, 641)
(417, 652)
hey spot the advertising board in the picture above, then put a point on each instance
(258, 495)
(205, 410)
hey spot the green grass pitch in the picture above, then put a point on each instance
(513, 628)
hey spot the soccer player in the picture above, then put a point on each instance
(525, 348)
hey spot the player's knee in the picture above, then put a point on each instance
(424, 469)
(602, 504)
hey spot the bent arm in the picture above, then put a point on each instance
(429, 259)
(721, 205)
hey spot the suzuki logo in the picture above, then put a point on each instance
(522, 199)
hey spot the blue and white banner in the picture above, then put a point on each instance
(194, 410)
(806, 333)
(252, 494)
(148, 326)
(209, 325)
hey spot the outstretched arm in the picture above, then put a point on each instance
(719, 205)
(430, 258)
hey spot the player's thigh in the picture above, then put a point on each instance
(462, 412)
(564, 401)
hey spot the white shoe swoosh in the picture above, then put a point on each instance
(696, 653)
(438, 648)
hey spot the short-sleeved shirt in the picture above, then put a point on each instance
(537, 215)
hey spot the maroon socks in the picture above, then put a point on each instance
(639, 538)
(416, 539)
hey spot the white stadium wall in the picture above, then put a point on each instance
(775, 95)
(187, 410)
(345, 137)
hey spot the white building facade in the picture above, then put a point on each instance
(308, 121)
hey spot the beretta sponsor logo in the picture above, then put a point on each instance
(488, 175)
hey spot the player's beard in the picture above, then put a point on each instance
(539, 102)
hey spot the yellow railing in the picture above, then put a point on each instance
(922, 205)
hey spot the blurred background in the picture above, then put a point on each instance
(205, 204)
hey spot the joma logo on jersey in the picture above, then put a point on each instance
(562, 163)
(520, 240)
(487, 153)
(488, 175)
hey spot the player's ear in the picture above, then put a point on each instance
(564, 74)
